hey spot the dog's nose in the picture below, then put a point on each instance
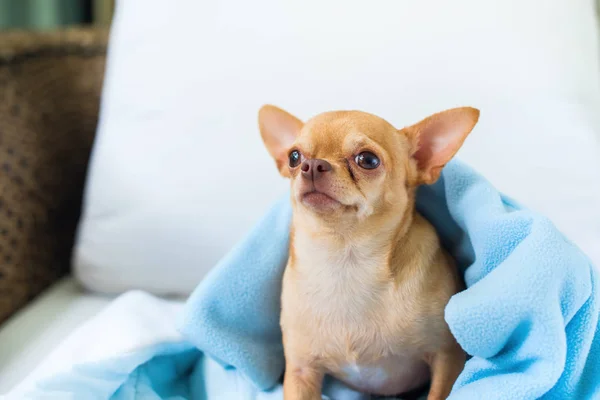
(314, 168)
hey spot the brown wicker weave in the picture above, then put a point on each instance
(50, 86)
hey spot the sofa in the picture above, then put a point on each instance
(50, 91)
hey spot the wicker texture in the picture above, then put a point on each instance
(50, 86)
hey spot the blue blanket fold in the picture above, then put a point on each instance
(529, 317)
(233, 315)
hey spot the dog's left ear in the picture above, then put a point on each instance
(437, 138)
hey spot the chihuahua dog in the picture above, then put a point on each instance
(366, 283)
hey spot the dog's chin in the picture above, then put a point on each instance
(320, 202)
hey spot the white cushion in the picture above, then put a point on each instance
(179, 172)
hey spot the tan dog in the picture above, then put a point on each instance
(366, 283)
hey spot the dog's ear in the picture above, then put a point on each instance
(437, 138)
(279, 130)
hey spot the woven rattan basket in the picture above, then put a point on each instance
(50, 86)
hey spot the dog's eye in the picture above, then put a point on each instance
(367, 160)
(294, 158)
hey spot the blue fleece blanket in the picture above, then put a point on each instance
(529, 318)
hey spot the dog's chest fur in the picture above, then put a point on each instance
(345, 306)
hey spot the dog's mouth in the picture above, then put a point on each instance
(320, 201)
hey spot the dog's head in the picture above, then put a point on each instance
(350, 165)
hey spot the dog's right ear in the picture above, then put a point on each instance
(279, 130)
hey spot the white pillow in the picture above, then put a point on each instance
(179, 173)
